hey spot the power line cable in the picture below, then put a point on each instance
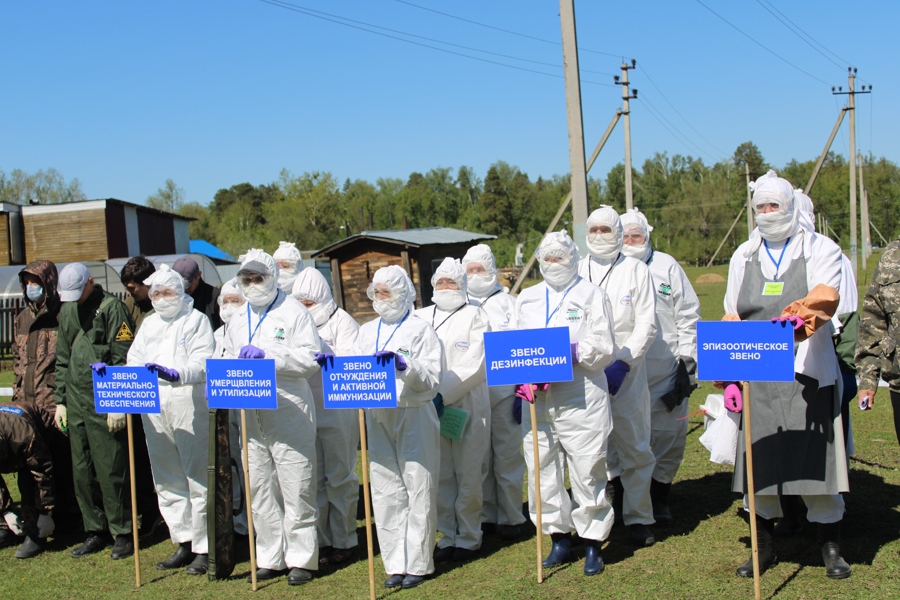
(772, 52)
(798, 32)
(683, 139)
(523, 35)
(361, 26)
(843, 61)
(650, 79)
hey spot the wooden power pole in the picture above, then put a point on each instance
(576, 131)
(627, 94)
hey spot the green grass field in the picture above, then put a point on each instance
(694, 559)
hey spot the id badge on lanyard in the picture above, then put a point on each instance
(773, 288)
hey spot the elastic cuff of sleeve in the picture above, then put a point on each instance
(868, 384)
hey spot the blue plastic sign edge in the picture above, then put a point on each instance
(339, 364)
(141, 375)
(778, 365)
(522, 369)
(264, 367)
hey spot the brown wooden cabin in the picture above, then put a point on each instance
(12, 251)
(101, 230)
(355, 259)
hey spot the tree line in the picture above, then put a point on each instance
(691, 204)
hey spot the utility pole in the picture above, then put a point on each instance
(815, 173)
(864, 213)
(749, 200)
(851, 82)
(627, 94)
(576, 130)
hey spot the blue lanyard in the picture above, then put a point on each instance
(547, 302)
(780, 258)
(378, 336)
(263, 318)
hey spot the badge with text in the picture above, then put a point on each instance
(359, 382)
(236, 383)
(528, 356)
(745, 351)
(132, 390)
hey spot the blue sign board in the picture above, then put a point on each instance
(745, 351)
(241, 383)
(528, 356)
(132, 390)
(359, 382)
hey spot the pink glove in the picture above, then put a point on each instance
(523, 391)
(734, 399)
(795, 321)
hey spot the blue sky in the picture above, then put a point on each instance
(124, 95)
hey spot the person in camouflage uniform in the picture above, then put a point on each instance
(879, 333)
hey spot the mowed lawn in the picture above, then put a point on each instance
(694, 559)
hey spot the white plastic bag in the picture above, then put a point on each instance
(721, 434)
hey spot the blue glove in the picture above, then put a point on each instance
(322, 358)
(439, 405)
(164, 373)
(99, 368)
(615, 375)
(387, 354)
(250, 351)
(574, 346)
(517, 410)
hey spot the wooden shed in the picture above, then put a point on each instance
(101, 230)
(355, 259)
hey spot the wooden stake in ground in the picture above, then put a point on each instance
(248, 504)
(363, 444)
(537, 487)
(134, 519)
(751, 492)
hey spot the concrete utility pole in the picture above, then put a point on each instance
(750, 223)
(864, 212)
(627, 94)
(576, 130)
(815, 173)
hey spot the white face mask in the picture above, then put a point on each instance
(227, 310)
(480, 286)
(775, 226)
(559, 274)
(168, 308)
(390, 311)
(448, 299)
(260, 294)
(286, 279)
(320, 313)
(638, 251)
(604, 245)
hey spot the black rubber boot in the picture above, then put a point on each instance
(199, 566)
(765, 544)
(791, 522)
(182, 558)
(123, 548)
(615, 492)
(659, 496)
(32, 546)
(94, 543)
(835, 566)
(562, 549)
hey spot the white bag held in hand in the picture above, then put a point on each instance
(13, 522)
(721, 433)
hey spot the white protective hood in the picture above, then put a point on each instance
(258, 261)
(558, 275)
(312, 286)
(165, 278)
(481, 286)
(605, 246)
(449, 300)
(287, 252)
(403, 293)
(633, 220)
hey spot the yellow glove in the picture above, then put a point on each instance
(61, 418)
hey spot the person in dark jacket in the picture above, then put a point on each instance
(95, 330)
(205, 296)
(23, 451)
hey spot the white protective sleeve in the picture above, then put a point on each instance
(462, 338)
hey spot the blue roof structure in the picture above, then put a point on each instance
(205, 248)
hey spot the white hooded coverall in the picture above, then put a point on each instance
(178, 437)
(281, 442)
(337, 431)
(629, 286)
(573, 417)
(505, 473)
(404, 449)
(461, 327)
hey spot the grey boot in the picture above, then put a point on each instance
(765, 545)
(835, 566)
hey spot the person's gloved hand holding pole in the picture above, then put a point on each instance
(115, 422)
(165, 373)
(734, 398)
(99, 368)
(438, 402)
(615, 375)
(45, 526)
(399, 363)
(251, 351)
(574, 346)
(61, 418)
(323, 357)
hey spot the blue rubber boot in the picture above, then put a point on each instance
(593, 562)
(562, 547)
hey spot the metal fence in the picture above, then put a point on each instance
(9, 308)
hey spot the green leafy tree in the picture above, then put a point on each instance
(45, 187)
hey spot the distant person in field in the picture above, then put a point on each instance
(204, 295)
(790, 275)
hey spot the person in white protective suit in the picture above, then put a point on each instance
(671, 359)
(505, 474)
(174, 342)
(460, 327)
(289, 262)
(230, 300)
(788, 274)
(282, 442)
(573, 417)
(629, 285)
(404, 449)
(337, 430)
